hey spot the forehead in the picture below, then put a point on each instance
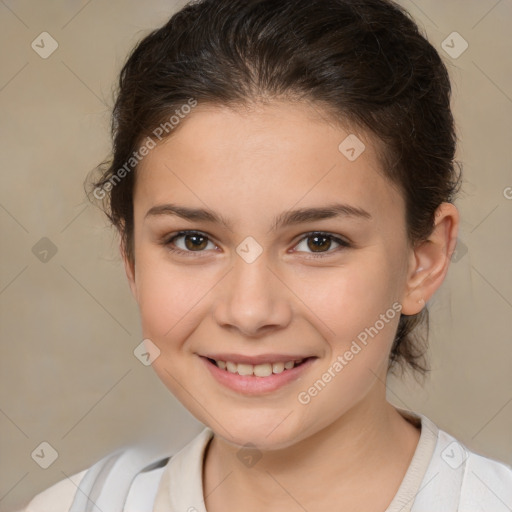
(274, 156)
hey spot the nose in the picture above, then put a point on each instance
(254, 299)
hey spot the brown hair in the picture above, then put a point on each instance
(364, 61)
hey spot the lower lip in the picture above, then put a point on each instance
(252, 385)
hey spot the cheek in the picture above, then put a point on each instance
(170, 298)
(172, 301)
(361, 318)
(353, 308)
(345, 300)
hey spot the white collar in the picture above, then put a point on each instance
(181, 485)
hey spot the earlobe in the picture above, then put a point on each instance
(430, 260)
(129, 267)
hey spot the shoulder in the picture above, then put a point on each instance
(127, 477)
(487, 484)
(58, 497)
(483, 483)
(457, 478)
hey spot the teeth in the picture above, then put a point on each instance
(244, 369)
(262, 370)
(258, 370)
(277, 367)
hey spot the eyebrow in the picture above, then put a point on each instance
(287, 218)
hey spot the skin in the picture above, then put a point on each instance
(348, 445)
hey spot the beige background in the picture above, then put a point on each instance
(69, 326)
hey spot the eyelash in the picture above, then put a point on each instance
(168, 243)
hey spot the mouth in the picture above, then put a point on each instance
(254, 376)
(257, 370)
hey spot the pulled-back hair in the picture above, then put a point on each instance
(364, 62)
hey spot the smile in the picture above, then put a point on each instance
(258, 370)
(263, 375)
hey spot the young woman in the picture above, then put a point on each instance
(283, 180)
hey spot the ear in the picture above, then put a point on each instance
(430, 260)
(129, 267)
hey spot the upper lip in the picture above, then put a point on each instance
(259, 359)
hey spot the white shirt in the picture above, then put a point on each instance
(443, 476)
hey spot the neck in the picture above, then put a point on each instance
(364, 453)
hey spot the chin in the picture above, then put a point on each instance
(273, 432)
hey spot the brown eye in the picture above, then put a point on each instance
(187, 242)
(193, 242)
(320, 243)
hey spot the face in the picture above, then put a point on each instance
(292, 255)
